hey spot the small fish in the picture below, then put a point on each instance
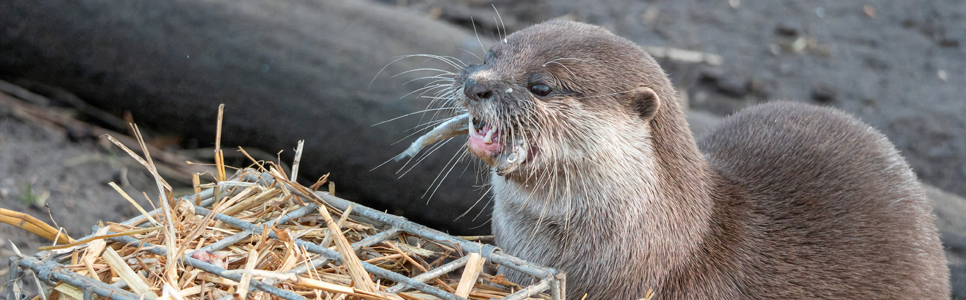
(456, 126)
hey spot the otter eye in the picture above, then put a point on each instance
(540, 90)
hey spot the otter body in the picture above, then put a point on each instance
(781, 201)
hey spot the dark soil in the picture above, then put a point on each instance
(898, 65)
(44, 174)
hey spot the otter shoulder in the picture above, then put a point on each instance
(793, 143)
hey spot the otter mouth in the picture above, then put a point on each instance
(486, 141)
(492, 145)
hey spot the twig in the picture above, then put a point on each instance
(135, 281)
(681, 55)
(219, 154)
(46, 115)
(298, 158)
(23, 93)
(470, 273)
(34, 225)
(99, 237)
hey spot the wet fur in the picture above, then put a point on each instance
(782, 201)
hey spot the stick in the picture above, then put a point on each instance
(135, 281)
(100, 237)
(350, 260)
(470, 273)
(298, 158)
(219, 154)
(34, 225)
(246, 279)
(135, 203)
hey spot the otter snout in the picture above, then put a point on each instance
(477, 92)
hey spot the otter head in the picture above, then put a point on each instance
(549, 96)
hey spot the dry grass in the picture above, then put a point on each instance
(268, 254)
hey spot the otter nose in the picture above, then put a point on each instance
(476, 91)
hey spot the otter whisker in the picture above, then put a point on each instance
(412, 113)
(446, 99)
(562, 65)
(555, 60)
(543, 212)
(443, 101)
(425, 89)
(436, 81)
(477, 34)
(503, 38)
(482, 209)
(543, 179)
(435, 119)
(441, 73)
(418, 129)
(452, 61)
(422, 157)
(439, 181)
(481, 225)
(422, 127)
(607, 95)
(471, 53)
(433, 86)
(467, 211)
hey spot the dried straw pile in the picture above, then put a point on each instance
(253, 230)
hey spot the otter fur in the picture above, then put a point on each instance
(780, 201)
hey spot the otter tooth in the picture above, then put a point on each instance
(489, 135)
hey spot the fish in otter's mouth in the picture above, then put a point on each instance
(486, 141)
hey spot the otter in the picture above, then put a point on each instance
(595, 172)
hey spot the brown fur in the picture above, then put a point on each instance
(788, 201)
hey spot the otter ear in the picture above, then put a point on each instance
(645, 102)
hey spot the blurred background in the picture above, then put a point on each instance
(325, 71)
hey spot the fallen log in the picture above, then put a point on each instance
(288, 70)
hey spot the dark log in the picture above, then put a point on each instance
(286, 70)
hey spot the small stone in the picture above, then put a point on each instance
(733, 86)
(726, 84)
(786, 28)
(823, 93)
(869, 11)
(870, 102)
(711, 74)
(947, 42)
(758, 88)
